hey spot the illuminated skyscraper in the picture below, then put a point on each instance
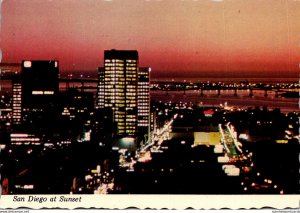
(125, 88)
(13, 70)
(100, 89)
(16, 101)
(117, 89)
(144, 101)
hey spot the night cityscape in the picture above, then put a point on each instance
(130, 127)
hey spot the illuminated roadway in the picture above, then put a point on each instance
(229, 141)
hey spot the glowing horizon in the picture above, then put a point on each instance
(185, 35)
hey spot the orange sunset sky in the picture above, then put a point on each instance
(182, 36)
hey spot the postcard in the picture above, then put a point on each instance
(149, 104)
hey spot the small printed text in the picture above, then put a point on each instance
(42, 199)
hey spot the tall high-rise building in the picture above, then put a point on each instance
(144, 103)
(39, 83)
(124, 87)
(16, 101)
(143, 96)
(117, 89)
(40, 87)
(100, 88)
(12, 70)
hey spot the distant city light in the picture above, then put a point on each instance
(37, 92)
(27, 64)
(28, 186)
(127, 140)
(115, 148)
(223, 159)
(18, 135)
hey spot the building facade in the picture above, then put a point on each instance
(39, 91)
(143, 104)
(40, 83)
(143, 97)
(117, 89)
(124, 87)
(16, 101)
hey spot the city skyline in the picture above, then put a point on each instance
(173, 97)
(141, 138)
(190, 36)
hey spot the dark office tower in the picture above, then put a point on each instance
(117, 89)
(40, 87)
(75, 114)
(103, 127)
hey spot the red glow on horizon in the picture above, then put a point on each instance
(188, 36)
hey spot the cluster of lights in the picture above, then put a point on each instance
(39, 92)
